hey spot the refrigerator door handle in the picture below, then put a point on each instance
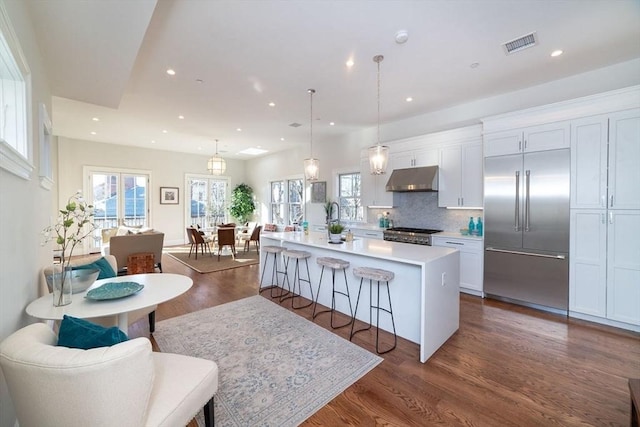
(526, 202)
(610, 217)
(516, 224)
(525, 253)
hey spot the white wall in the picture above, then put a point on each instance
(343, 153)
(24, 210)
(167, 169)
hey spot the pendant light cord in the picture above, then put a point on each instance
(378, 59)
(311, 92)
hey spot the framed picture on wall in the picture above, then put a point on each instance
(319, 192)
(169, 195)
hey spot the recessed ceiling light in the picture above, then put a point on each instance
(252, 151)
(475, 65)
(272, 104)
(239, 129)
(164, 131)
(557, 52)
(332, 123)
(153, 141)
(93, 133)
(95, 119)
(171, 72)
(402, 36)
(350, 63)
(199, 80)
(281, 139)
(181, 117)
(409, 99)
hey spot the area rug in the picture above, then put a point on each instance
(208, 264)
(276, 368)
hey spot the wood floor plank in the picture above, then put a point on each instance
(506, 366)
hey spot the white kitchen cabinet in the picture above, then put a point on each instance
(588, 262)
(524, 140)
(471, 260)
(604, 264)
(415, 158)
(605, 154)
(623, 266)
(460, 181)
(367, 233)
(373, 191)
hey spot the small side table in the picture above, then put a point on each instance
(634, 391)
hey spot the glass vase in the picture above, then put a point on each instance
(61, 288)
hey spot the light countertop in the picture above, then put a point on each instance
(393, 251)
(457, 235)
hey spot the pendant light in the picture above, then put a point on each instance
(378, 154)
(311, 165)
(216, 164)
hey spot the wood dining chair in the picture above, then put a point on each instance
(202, 241)
(191, 241)
(255, 237)
(227, 237)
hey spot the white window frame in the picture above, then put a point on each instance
(187, 196)
(16, 155)
(286, 203)
(45, 130)
(339, 197)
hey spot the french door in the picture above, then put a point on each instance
(208, 198)
(119, 198)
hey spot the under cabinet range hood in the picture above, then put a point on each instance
(414, 179)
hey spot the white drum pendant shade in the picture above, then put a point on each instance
(216, 165)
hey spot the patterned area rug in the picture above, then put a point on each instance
(276, 368)
(207, 264)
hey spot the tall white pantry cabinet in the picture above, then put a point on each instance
(604, 269)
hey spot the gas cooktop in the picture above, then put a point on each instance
(413, 230)
(418, 236)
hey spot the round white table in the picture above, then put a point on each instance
(158, 288)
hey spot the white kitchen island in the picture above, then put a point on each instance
(424, 292)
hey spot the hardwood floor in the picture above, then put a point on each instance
(506, 366)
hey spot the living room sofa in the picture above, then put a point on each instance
(123, 245)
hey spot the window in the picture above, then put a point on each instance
(350, 202)
(207, 201)
(15, 86)
(286, 201)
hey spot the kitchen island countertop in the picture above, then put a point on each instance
(424, 291)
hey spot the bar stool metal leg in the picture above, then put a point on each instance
(334, 264)
(275, 282)
(297, 255)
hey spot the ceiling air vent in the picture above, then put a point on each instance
(295, 125)
(520, 43)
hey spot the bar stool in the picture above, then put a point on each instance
(378, 275)
(273, 251)
(334, 264)
(297, 255)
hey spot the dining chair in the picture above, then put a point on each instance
(227, 237)
(191, 241)
(202, 241)
(255, 237)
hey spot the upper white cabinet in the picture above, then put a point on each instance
(373, 187)
(533, 138)
(460, 181)
(605, 159)
(415, 158)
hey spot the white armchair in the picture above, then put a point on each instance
(123, 385)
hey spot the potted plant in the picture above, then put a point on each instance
(335, 232)
(74, 224)
(242, 204)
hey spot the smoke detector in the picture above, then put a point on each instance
(402, 36)
(521, 43)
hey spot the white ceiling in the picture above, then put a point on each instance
(108, 59)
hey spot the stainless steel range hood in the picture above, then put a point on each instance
(414, 179)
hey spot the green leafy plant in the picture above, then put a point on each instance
(242, 204)
(336, 228)
(74, 224)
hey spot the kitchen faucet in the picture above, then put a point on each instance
(331, 220)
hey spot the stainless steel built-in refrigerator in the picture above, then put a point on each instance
(526, 210)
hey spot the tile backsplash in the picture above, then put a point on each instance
(420, 210)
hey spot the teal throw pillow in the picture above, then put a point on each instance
(106, 271)
(80, 333)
